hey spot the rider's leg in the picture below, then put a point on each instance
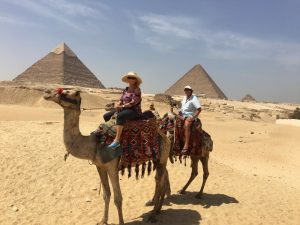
(126, 114)
(187, 134)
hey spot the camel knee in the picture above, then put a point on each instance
(118, 202)
(106, 195)
(194, 174)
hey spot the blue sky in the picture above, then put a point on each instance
(246, 46)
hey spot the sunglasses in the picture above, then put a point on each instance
(131, 78)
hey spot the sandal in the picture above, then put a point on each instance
(184, 151)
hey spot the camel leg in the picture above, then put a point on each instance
(114, 178)
(204, 162)
(160, 192)
(156, 192)
(106, 194)
(151, 202)
(163, 188)
(167, 184)
(194, 173)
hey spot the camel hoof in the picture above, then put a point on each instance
(102, 223)
(198, 196)
(149, 203)
(182, 192)
(152, 219)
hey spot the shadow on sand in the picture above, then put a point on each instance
(172, 216)
(206, 201)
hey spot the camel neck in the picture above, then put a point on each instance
(71, 122)
(76, 144)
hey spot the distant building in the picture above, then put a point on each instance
(60, 66)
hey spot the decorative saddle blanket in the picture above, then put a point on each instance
(139, 143)
(199, 139)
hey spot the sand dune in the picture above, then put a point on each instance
(253, 169)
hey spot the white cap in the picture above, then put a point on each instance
(188, 87)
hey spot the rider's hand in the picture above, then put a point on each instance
(118, 106)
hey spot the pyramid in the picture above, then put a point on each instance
(60, 66)
(201, 83)
(248, 98)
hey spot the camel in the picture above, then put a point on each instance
(84, 147)
(202, 156)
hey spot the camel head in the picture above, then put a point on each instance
(65, 98)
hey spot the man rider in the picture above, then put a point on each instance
(190, 109)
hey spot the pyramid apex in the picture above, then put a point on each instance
(63, 47)
(197, 66)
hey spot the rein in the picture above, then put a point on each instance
(90, 109)
(76, 103)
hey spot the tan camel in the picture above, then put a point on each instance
(203, 156)
(84, 147)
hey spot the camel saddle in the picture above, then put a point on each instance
(139, 141)
(198, 139)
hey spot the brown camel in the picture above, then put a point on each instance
(201, 154)
(84, 147)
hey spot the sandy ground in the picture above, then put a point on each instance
(254, 176)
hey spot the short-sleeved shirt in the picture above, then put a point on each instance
(133, 96)
(189, 106)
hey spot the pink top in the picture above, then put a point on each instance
(133, 97)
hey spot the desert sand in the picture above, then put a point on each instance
(254, 167)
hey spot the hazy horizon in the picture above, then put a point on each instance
(247, 47)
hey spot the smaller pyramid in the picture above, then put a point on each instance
(60, 66)
(201, 83)
(248, 98)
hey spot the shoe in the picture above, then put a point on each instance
(114, 144)
(184, 151)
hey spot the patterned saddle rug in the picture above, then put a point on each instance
(199, 139)
(139, 144)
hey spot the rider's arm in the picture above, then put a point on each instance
(197, 105)
(196, 114)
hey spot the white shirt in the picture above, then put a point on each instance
(189, 106)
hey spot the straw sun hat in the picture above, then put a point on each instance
(132, 74)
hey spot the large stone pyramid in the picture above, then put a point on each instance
(60, 66)
(200, 81)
